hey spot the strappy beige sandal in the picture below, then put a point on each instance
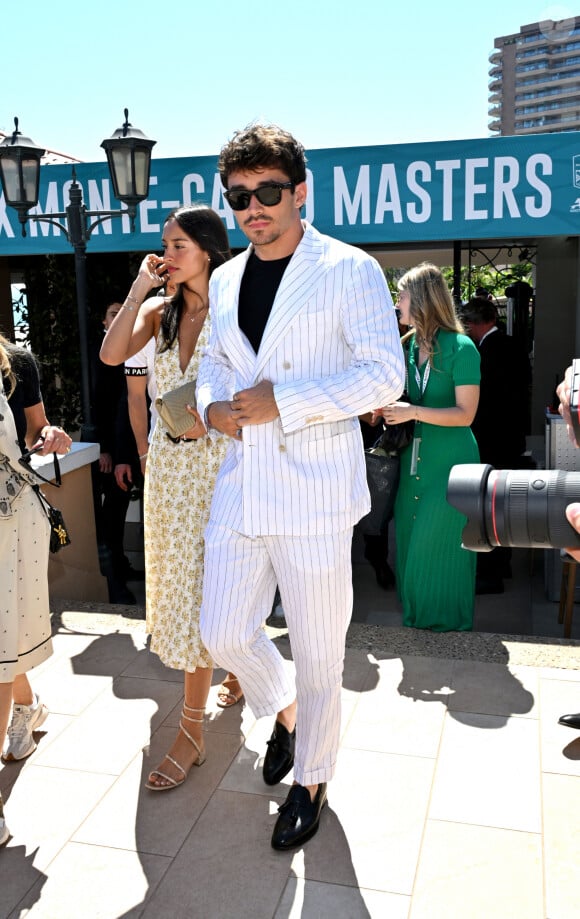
(226, 697)
(174, 783)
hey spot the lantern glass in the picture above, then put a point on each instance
(20, 180)
(120, 168)
(20, 172)
(10, 180)
(129, 157)
(142, 169)
(30, 177)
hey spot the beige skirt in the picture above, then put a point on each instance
(25, 628)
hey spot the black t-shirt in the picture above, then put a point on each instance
(27, 391)
(258, 289)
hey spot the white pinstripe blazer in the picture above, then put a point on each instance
(331, 348)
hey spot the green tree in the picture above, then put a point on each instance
(494, 279)
(52, 317)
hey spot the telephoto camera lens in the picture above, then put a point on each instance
(514, 507)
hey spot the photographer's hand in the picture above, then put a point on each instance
(563, 393)
(573, 516)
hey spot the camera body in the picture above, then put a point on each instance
(514, 507)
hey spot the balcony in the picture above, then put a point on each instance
(531, 55)
(495, 126)
(494, 111)
(552, 124)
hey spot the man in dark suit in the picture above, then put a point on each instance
(115, 472)
(501, 421)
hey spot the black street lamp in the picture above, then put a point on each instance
(129, 159)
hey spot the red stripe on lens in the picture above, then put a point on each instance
(493, 516)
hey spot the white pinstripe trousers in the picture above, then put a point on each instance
(314, 575)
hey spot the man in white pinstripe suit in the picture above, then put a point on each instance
(304, 340)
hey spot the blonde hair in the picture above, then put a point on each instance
(6, 366)
(431, 306)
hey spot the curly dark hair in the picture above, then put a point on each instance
(205, 228)
(260, 146)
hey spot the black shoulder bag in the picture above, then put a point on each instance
(59, 535)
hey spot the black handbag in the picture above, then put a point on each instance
(59, 534)
(396, 437)
(382, 480)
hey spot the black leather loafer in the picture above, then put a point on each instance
(570, 721)
(279, 757)
(299, 817)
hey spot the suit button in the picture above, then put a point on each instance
(282, 448)
(286, 365)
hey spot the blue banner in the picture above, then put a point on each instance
(501, 187)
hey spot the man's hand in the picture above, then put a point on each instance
(256, 405)
(221, 417)
(105, 462)
(123, 476)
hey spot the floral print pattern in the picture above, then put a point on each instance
(179, 483)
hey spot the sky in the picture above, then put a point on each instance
(335, 74)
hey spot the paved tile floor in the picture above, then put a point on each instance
(457, 794)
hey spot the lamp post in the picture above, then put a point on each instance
(129, 160)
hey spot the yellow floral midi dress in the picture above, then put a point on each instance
(179, 483)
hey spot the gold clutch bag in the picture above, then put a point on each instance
(172, 410)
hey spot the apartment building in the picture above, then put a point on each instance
(534, 79)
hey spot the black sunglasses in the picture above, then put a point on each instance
(268, 194)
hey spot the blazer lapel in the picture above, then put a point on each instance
(234, 342)
(300, 279)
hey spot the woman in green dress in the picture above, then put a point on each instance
(435, 575)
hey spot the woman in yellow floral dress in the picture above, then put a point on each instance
(179, 474)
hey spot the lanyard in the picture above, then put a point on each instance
(421, 386)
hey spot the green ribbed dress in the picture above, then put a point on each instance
(435, 575)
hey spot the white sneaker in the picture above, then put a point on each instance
(25, 720)
(4, 831)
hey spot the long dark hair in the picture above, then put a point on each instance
(204, 227)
